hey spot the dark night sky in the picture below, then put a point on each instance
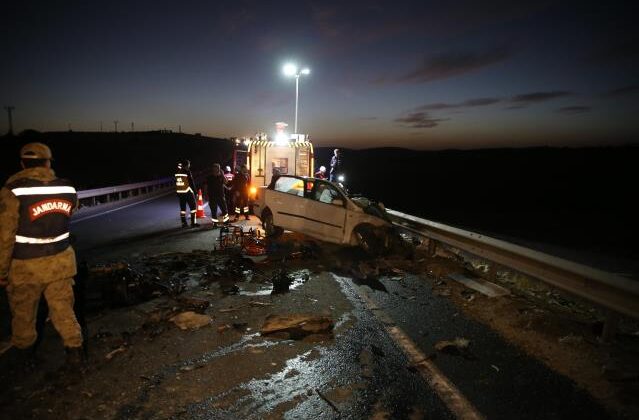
(426, 74)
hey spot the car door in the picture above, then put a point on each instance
(325, 212)
(286, 201)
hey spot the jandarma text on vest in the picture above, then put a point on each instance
(45, 207)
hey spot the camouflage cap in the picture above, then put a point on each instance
(35, 151)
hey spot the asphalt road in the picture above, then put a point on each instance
(496, 379)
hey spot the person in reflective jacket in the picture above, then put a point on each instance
(185, 188)
(36, 257)
(215, 185)
(241, 184)
(228, 193)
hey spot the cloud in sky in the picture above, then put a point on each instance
(451, 64)
(622, 91)
(466, 104)
(533, 97)
(516, 102)
(419, 120)
(575, 109)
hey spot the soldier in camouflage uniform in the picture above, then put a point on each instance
(35, 255)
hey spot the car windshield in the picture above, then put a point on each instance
(290, 185)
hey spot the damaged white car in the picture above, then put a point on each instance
(324, 211)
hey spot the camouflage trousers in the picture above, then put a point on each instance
(24, 299)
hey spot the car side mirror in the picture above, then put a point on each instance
(337, 202)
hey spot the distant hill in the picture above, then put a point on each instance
(92, 159)
(582, 197)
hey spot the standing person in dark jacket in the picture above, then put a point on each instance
(336, 165)
(36, 257)
(215, 185)
(228, 193)
(185, 188)
(241, 184)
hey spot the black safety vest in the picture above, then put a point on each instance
(45, 210)
(182, 184)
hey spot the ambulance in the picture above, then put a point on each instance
(286, 154)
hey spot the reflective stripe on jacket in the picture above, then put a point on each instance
(182, 184)
(45, 211)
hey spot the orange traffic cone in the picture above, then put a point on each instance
(200, 204)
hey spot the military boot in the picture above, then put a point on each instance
(184, 224)
(75, 360)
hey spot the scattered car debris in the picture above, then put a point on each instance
(259, 304)
(468, 295)
(281, 281)
(112, 353)
(457, 347)
(482, 286)
(296, 326)
(571, 339)
(196, 304)
(190, 320)
(225, 310)
(223, 328)
(189, 368)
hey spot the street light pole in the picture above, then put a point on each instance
(292, 70)
(297, 95)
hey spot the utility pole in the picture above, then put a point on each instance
(69, 126)
(100, 126)
(180, 128)
(132, 126)
(115, 123)
(9, 112)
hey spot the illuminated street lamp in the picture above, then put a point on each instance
(292, 70)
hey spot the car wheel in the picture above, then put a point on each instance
(367, 240)
(267, 223)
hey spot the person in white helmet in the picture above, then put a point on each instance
(321, 174)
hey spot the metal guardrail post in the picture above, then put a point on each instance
(492, 272)
(432, 247)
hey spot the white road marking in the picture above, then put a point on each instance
(456, 402)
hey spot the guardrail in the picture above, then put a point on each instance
(108, 194)
(619, 295)
(118, 192)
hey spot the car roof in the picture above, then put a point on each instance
(310, 178)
